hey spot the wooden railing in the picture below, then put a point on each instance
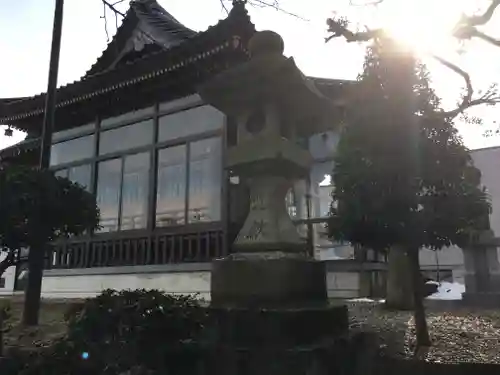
(137, 249)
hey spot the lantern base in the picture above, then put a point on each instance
(268, 282)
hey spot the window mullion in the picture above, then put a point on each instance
(94, 164)
(186, 197)
(153, 176)
(120, 195)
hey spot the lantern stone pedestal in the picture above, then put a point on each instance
(258, 282)
(269, 302)
(270, 315)
(482, 272)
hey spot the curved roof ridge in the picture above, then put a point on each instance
(165, 28)
(153, 20)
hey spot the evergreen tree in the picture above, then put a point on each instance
(403, 178)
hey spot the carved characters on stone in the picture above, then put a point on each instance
(257, 202)
(256, 230)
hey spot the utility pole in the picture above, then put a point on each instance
(36, 255)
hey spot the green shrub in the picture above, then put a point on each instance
(122, 330)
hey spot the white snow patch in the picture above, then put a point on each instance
(448, 291)
(366, 300)
(431, 282)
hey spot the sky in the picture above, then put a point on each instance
(26, 27)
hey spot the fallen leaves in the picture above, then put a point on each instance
(460, 335)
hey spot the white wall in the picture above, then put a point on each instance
(343, 285)
(339, 284)
(82, 286)
(9, 276)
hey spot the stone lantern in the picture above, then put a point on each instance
(269, 292)
(274, 106)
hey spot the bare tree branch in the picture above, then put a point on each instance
(105, 22)
(482, 18)
(112, 7)
(105, 4)
(490, 97)
(485, 37)
(224, 6)
(275, 5)
(339, 28)
(468, 83)
(266, 4)
(465, 21)
(466, 28)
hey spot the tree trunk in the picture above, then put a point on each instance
(1, 331)
(399, 285)
(31, 310)
(422, 331)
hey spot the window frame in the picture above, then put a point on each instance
(213, 134)
(151, 112)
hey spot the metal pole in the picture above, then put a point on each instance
(37, 253)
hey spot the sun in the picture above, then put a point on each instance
(423, 25)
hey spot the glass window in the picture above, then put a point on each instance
(186, 101)
(126, 137)
(108, 193)
(327, 248)
(192, 121)
(73, 150)
(290, 203)
(296, 200)
(321, 188)
(205, 180)
(323, 145)
(61, 173)
(171, 186)
(81, 175)
(68, 133)
(135, 192)
(127, 117)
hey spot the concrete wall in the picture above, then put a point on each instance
(343, 285)
(344, 280)
(81, 283)
(447, 259)
(452, 258)
(63, 285)
(340, 285)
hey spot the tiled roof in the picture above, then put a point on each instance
(194, 50)
(332, 88)
(150, 19)
(164, 27)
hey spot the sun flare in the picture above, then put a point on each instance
(423, 25)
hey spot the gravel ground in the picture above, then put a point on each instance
(460, 335)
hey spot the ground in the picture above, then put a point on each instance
(52, 323)
(458, 335)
